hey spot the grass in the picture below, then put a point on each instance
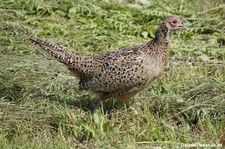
(41, 106)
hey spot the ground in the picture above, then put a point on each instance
(41, 106)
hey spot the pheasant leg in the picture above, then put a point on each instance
(96, 104)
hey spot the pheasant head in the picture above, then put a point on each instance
(169, 25)
(173, 23)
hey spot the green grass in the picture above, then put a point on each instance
(41, 106)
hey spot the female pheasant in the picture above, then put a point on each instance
(120, 74)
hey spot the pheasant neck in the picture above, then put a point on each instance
(162, 35)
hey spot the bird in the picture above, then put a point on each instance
(119, 74)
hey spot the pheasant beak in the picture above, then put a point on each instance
(182, 25)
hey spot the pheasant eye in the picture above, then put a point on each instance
(174, 22)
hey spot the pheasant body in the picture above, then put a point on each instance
(119, 74)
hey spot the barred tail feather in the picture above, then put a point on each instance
(56, 51)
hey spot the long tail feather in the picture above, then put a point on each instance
(56, 51)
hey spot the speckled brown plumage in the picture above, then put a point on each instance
(120, 74)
